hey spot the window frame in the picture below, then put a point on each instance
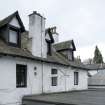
(17, 30)
(24, 85)
(52, 81)
(54, 75)
(76, 78)
(54, 71)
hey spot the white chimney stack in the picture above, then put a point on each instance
(37, 35)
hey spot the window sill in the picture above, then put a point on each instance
(13, 44)
(53, 85)
(21, 86)
(76, 84)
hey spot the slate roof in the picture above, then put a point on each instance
(24, 53)
(64, 45)
(95, 66)
(9, 18)
(97, 79)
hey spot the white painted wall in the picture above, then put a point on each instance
(47, 78)
(37, 33)
(8, 91)
(10, 94)
(15, 22)
(65, 79)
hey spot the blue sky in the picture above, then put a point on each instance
(80, 20)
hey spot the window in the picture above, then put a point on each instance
(54, 81)
(75, 78)
(54, 78)
(70, 55)
(14, 36)
(54, 71)
(21, 75)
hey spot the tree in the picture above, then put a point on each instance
(97, 56)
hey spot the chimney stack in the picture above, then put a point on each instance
(55, 34)
(37, 35)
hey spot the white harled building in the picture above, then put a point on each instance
(34, 62)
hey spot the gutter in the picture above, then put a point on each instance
(43, 60)
(31, 58)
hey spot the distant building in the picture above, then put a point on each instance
(97, 76)
(97, 80)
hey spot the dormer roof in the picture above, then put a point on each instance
(66, 45)
(8, 19)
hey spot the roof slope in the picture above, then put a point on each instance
(95, 66)
(56, 57)
(59, 58)
(64, 45)
(25, 53)
(9, 18)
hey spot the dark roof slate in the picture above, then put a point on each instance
(95, 66)
(57, 57)
(9, 18)
(24, 53)
(64, 45)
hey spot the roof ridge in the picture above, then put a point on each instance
(9, 16)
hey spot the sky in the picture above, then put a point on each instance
(80, 20)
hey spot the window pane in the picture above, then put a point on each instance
(13, 36)
(75, 78)
(54, 71)
(54, 81)
(21, 75)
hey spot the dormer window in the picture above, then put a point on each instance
(11, 29)
(14, 37)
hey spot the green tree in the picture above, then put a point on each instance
(97, 56)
